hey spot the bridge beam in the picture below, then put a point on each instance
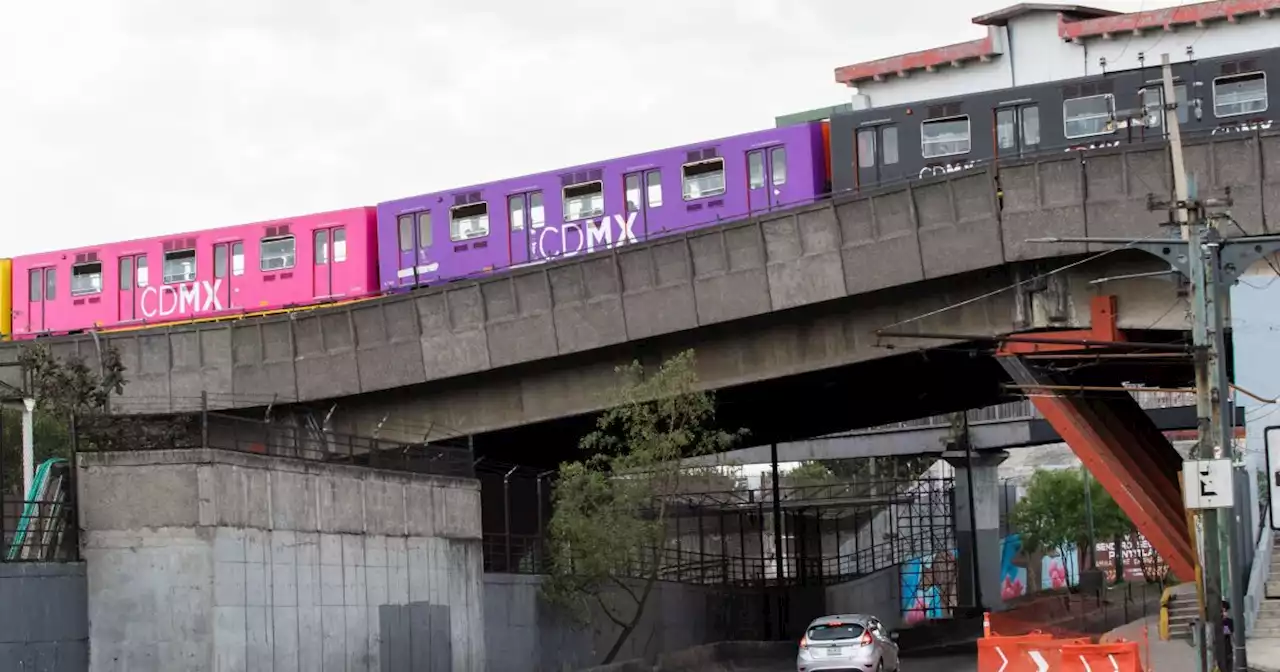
(1129, 456)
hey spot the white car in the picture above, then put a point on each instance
(847, 642)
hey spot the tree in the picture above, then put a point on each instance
(609, 524)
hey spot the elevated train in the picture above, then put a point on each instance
(465, 233)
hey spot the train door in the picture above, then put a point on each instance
(1017, 130)
(876, 154)
(766, 173)
(322, 269)
(638, 204)
(127, 298)
(228, 264)
(415, 239)
(527, 220)
(42, 288)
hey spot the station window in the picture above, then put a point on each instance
(277, 253)
(469, 221)
(34, 285)
(1090, 115)
(1153, 105)
(179, 266)
(143, 277)
(944, 137)
(86, 278)
(126, 273)
(755, 170)
(583, 201)
(703, 179)
(653, 183)
(406, 232)
(340, 240)
(889, 145)
(1235, 95)
(778, 157)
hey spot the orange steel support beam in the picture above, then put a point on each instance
(1116, 441)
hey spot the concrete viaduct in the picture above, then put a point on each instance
(782, 295)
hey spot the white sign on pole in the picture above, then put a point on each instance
(1271, 437)
(1208, 484)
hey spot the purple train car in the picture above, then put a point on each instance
(485, 228)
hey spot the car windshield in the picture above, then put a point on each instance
(828, 631)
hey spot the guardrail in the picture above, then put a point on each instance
(1256, 591)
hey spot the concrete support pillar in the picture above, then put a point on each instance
(977, 528)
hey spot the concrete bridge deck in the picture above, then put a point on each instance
(783, 294)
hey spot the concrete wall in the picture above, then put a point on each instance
(878, 594)
(43, 624)
(209, 560)
(524, 634)
(830, 261)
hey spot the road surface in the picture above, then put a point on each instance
(960, 663)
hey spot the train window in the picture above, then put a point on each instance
(424, 231)
(866, 148)
(1234, 95)
(515, 211)
(220, 261)
(583, 201)
(537, 214)
(469, 221)
(1030, 125)
(944, 137)
(1007, 128)
(340, 240)
(889, 145)
(755, 170)
(237, 259)
(86, 278)
(277, 253)
(778, 159)
(1090, 115)
(631, 185)
(143, 277)
(1153, 105)
(322, 247)
(50, 283)
(126, 273)
(179, 266)
(703, 179)
(406, 232)
(653, 183)
(33, 280)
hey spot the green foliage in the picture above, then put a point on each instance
(1053, 513)
(610, 510)
(809, 473)
(52, 439)
(70, 385)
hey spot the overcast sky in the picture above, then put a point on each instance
(129, 118)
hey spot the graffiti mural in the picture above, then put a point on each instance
(930, 587)
(1019, 570)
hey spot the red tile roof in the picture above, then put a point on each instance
(1165, 18)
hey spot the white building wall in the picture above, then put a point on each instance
(1038, 54)
(1033, 53)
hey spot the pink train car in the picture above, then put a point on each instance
(222, 272)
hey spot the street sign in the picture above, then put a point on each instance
(1271, 437)
(1208, 483)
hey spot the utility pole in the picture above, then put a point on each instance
(1213, 399)
(1209, 576)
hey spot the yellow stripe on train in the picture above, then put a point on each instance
(6, 305)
